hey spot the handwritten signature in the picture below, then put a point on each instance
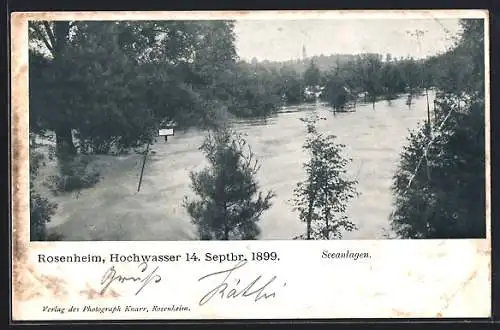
(111, 276)
(252, 289)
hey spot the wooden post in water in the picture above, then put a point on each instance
(142, 169)
(435, 111)
(169, 131)
(428, 111)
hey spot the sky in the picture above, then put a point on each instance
(279, 40)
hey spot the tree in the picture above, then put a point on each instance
(368, 71)
(411, 74)
(391, 80)
(111, 82)
(439, 186)
(255, 90)
(54, 36)
(323, 197)
(291, 85)
(82, 83)
(231, 203)
(335, 92)
(460, 71)
(112, 107)
(311, 75)
(41, 209)
(215, 57)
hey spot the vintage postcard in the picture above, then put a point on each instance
(250, 165)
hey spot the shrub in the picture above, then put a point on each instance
(41, 209)
(74, 174)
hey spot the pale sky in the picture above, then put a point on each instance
(280, 40)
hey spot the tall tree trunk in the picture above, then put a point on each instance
(327, 220)
(61, 35)
(309, 219)
(64, 142)
(428, 113)
(64, 138)
(226, 226)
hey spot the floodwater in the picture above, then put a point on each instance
(114, 210)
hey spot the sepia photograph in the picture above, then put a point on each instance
(257, 129)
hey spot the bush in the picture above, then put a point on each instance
(441, 193)
(41, 209)
(74, 174)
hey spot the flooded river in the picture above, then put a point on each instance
(114, 210)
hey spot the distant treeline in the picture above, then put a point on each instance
(343, 79)
(112, 83)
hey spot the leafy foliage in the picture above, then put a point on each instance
(104, 87)
(74, 174)
(336, 92)
(368, 74)
(323, 197)
(132, 75)
(440, 183)
(231, 203)
(312, 75)
(291, 89)
(41, 209)
(255, 91)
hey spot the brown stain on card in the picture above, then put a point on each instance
(22, 282)
(55, 286)
(401, 313)
(449, 299)
(35, 285)
(225, 15)
(91, 293)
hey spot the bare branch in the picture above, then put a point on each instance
(51, 36)
(424, 155)
(43, 38)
